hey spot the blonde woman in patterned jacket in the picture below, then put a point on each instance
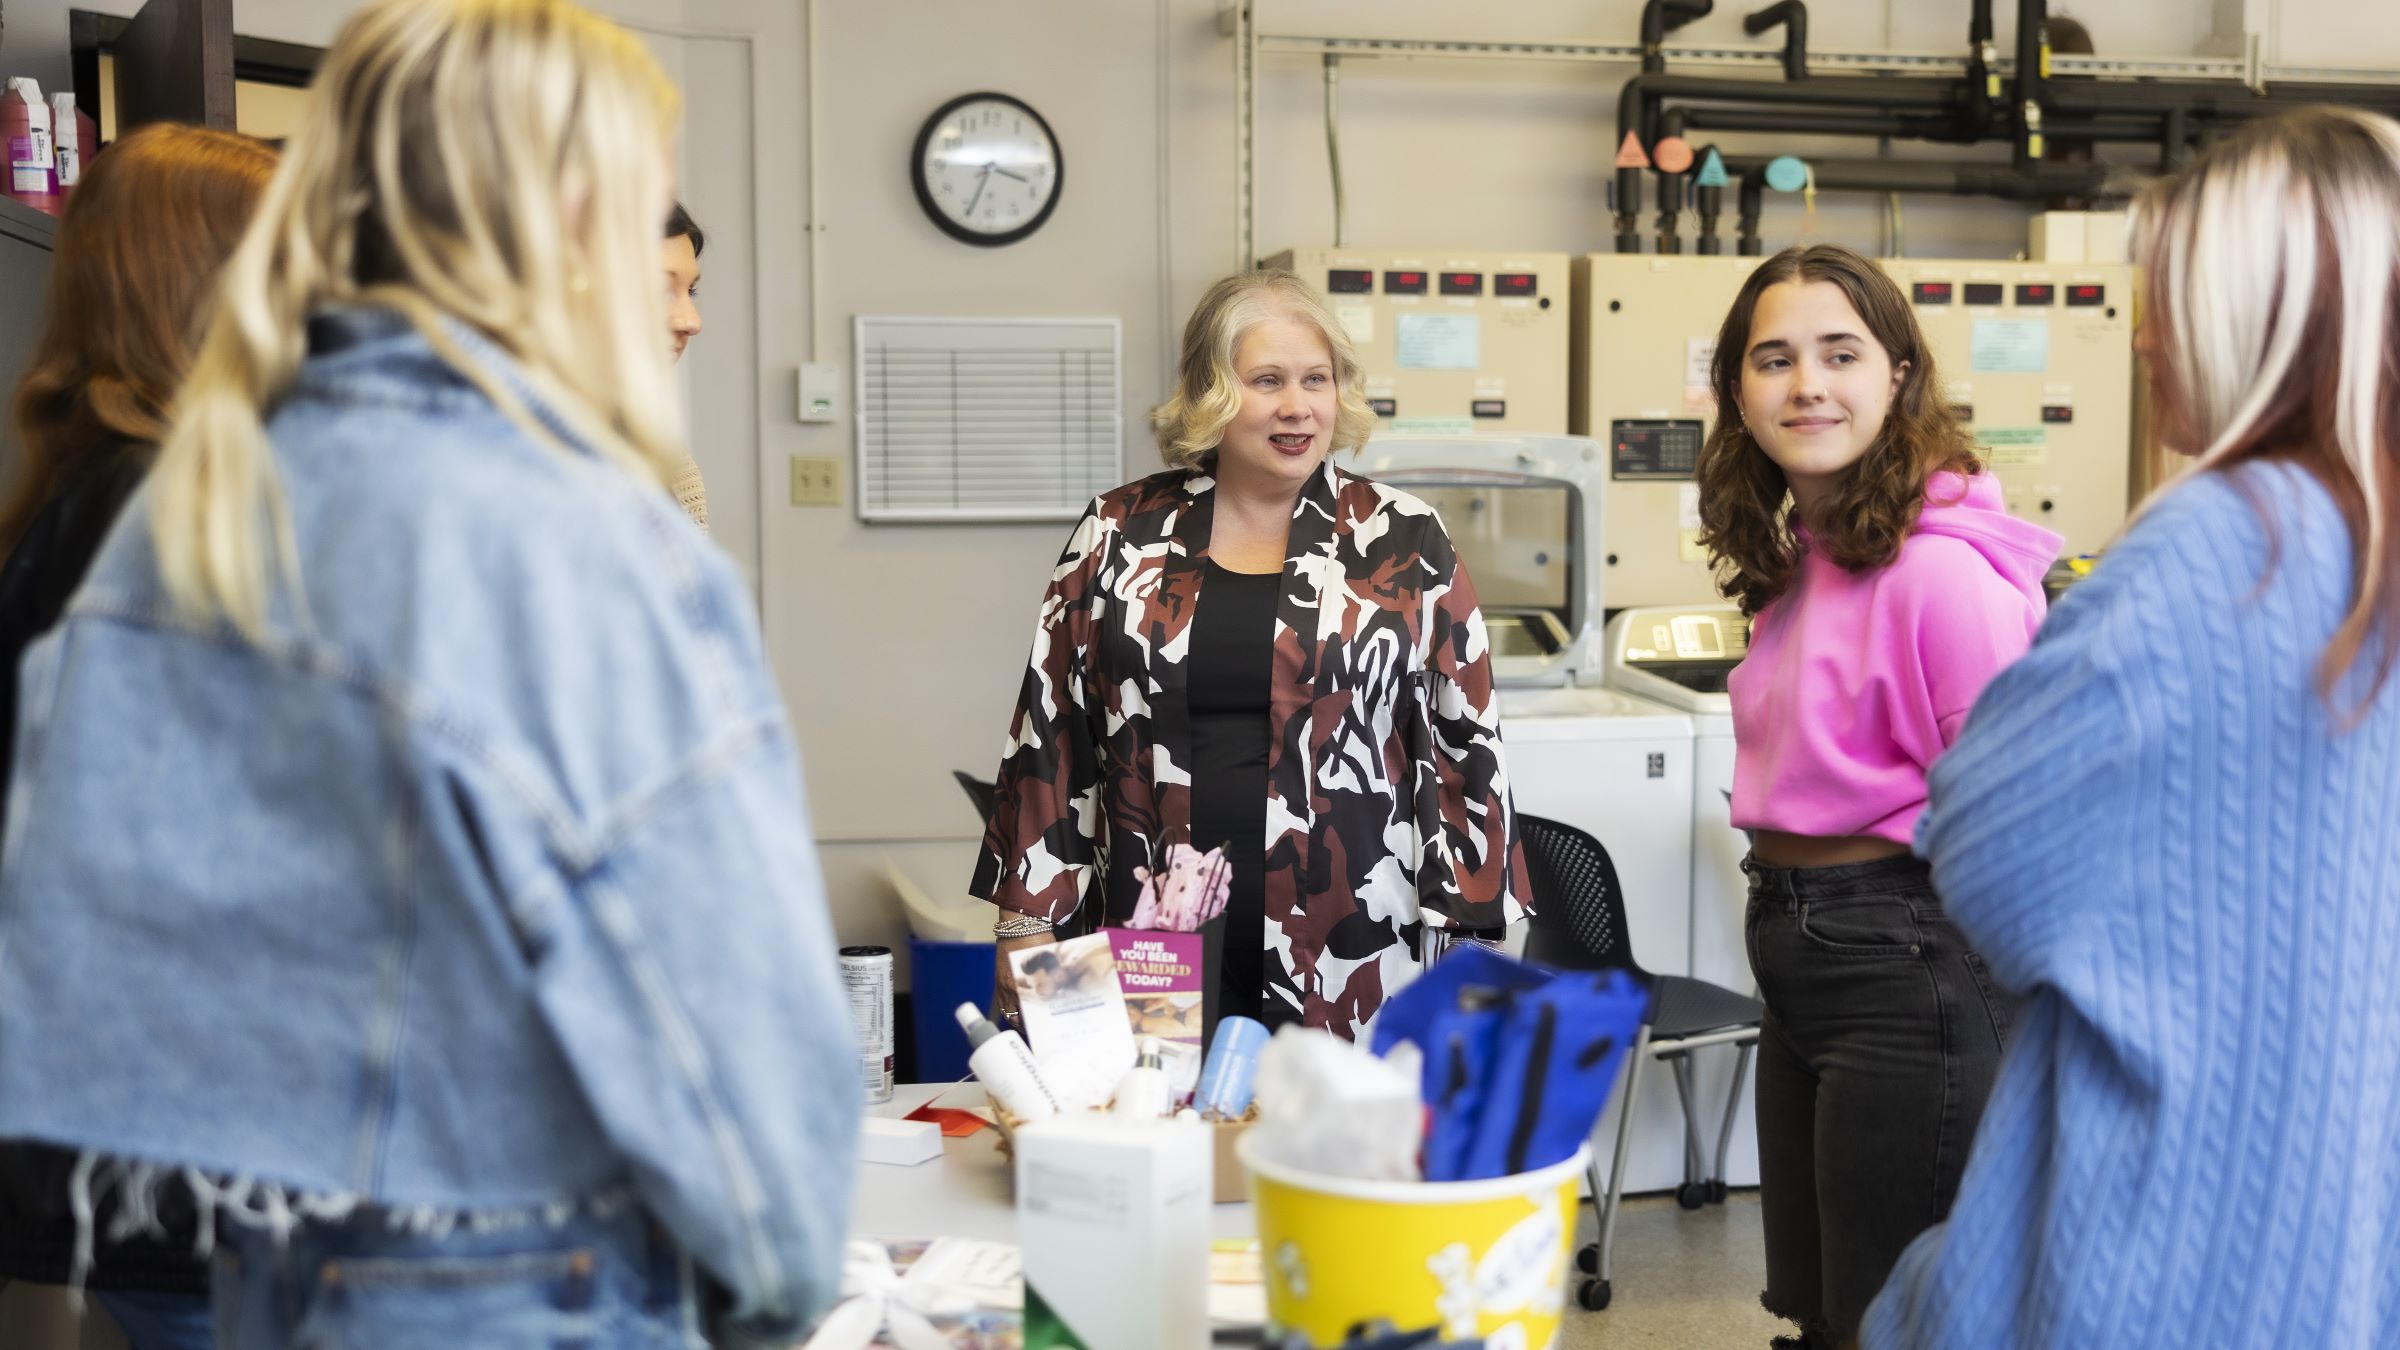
(1259, 651)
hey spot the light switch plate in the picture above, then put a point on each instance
(816, 480)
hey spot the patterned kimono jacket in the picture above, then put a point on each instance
(1388, 806)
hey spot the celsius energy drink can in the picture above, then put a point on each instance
(867, 976)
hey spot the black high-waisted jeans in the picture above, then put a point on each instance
(1882, 1037)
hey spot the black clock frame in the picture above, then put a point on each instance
(916, 172)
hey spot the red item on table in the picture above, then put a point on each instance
(956, 1124)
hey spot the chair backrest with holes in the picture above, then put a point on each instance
(1578, 907)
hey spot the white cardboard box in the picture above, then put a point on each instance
(2104, 237)
(1113, 1218)
(2056, 236)
(902, 1142)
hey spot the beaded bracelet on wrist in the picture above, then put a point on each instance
(1021, 925)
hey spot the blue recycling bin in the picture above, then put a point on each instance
(943, 975)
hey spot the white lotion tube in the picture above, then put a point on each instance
(1004, 1065)
(1143, 1093)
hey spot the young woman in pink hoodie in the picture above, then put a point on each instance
(1848, 515)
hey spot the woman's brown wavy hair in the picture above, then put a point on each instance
(139, 249)
(1746, 521)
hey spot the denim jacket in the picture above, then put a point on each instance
(485, 886)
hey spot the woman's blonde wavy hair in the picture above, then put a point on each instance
(1208, 390)
(499, 164)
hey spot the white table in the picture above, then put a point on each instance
(966, 1192)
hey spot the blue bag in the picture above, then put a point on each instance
(1519, 1060)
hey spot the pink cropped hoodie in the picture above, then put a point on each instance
(1857, 681)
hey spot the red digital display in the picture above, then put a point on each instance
(2037, 293)
(1933, 292)
(1404, 283)
(2086, 295)
(1462, 283)
(1513, 283)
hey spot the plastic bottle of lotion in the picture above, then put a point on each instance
(32, 163)
(67, 130)
(1005, 1067)
(1143, 1094)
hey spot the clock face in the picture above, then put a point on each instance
(987, 169)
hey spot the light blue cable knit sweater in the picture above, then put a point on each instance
(2153, 830)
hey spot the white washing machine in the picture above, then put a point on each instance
(1620, 769)
(1679, 656)
(1525, 514)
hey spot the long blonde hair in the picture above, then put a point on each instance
(497, 164)
(2273, 273)
(1208, 391)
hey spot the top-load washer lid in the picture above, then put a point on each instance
(1524, 513)
(1679, 655)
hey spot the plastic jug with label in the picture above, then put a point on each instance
(32, 161)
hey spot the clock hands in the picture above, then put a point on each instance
(983, 179)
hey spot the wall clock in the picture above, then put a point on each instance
(987, 168)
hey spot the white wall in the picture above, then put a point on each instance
(898, 647)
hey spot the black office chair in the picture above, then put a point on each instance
(983, 794)
(1579, 924)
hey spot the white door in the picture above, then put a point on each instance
(720, 369)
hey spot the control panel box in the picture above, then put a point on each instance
(2037, 358)
(1452, 343)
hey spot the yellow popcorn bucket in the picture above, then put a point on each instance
(1475, 1258)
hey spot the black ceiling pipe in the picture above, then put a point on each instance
(1709, 204)
(1785, 119)
(1670, 187)
(1951, 179)
(1793, 15)
(1750, 203)
(2128, 128)
(1625, 196)
(1865, 93)
(2033, 52)
(2172, 139)
(1661, 17)
(2103, 96)
(1983, 87)
(1638, 106)
(1905, 126)
(2142, 130)
(1639, 99)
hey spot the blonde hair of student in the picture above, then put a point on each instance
(498, 163)
(2273, 269)
(1208, 390)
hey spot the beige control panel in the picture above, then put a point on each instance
(1452, 342)
(2038, 356)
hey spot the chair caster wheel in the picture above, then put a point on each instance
(1691, 1194)
(1592, 1295)
(1716, 1192)
(1587, 1260)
